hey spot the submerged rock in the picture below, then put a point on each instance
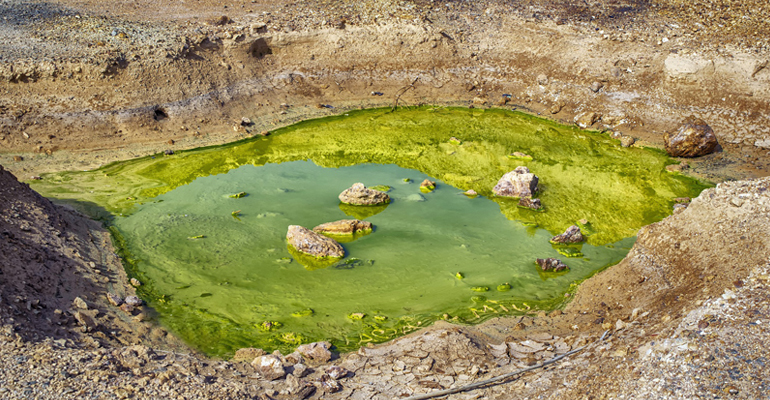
(360, 195)
(551, 264)
(308, 242)
(344, 227)
(269, 367)
(692, 139)
(571, 235)
(517, 183)
(317, 352)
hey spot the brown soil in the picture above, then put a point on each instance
(82, 86)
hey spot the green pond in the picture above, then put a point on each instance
(217, 269)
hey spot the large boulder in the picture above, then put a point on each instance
(571, 235)
(517, 183)
(692, 139)
(344, 227)
(308, 242)
(360, 195)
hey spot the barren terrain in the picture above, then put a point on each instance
(82, 85)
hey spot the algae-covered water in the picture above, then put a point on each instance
(225, 280)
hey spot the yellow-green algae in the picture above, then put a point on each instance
(629, 186)
(582, 175)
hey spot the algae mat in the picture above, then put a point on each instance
(223, 281)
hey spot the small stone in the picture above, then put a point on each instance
(586, 119)
(168, 152)
(80, 303)
(247, 354)
(329, 385)
(127, 308)
(336, 372)
(135, 282)
(736, 202)
(300, 370)
(246, 122)
(114, 299)
(627, 141)
(470, 192)
(551, 264)
(619, 324)
(133, 301)
(269, 367)
(678, 208)
(293, 358)
(571, 235)
(528, 202)
(171, 142)
(18, 158)
(317, 352)
(556, 107)
(479, 101)
(542, 79)
(427, 185)
(85, 320)
(596, 86)
(265, 133)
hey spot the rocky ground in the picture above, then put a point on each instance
(82, 85)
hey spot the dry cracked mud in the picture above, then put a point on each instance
(82, 85)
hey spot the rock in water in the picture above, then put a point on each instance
(316, 352)
(344, 227)
(692, 139)
(571, 235)
(314, 244)
(360, 195)
(517, 183)
(269, 367)
(551, 264)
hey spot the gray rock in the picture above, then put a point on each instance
(114, 299)
(360, 195)
(269, 367)
(336, 372)
(300, 370)
(551, 264)
(692, 139)
(133, 301)
(571, 235)
(317, 352)
(308, 242)
(517, 183)
(596, 86)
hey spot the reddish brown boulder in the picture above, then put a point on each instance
(692, 139)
